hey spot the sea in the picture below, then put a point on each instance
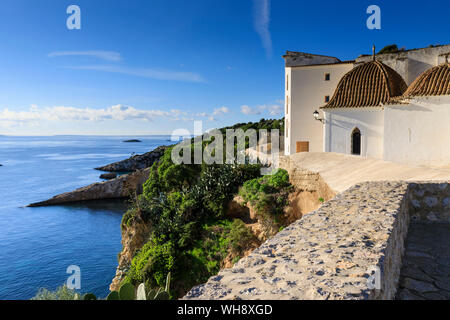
(40, 246)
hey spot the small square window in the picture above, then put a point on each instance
(327, 98)
(327, 77)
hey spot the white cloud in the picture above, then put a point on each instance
(261, 20)
(220, 111)
(249, 110)
(104, 55)
(61, 113)
(147, 73)
(273, 110)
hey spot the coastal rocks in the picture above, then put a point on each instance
(132, 141)
(108, 176)
(137, 162)
(121, 187)
(116, 187)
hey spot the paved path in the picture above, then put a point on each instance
(426, 268)
(342, 171)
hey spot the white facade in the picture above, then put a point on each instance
(418, 133)
(339, 125)
(306, 89)
(415, 133)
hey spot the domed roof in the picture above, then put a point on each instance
(432, 82)
(367, 85)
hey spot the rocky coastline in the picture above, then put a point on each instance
(137, 162)
(122, 186)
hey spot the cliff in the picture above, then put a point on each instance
(134, 235)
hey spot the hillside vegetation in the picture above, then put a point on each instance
(185, 206)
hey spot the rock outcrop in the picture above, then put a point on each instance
(137, 162)
(108, 176)
(116, 188)
(121, 187)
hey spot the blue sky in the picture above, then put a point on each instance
(150, 67)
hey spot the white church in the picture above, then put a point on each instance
(393, 106)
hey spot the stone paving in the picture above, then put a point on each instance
(426, 266)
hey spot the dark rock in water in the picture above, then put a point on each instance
(1, 165)
(121, 187)
(137, 162)
(133, 140)
(108, 176)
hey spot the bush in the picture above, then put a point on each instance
(269, 196)
(240, 237)
(389, 49)
(61, 293)
(153, 263)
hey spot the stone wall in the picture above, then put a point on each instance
(430, 201)
(350, 248)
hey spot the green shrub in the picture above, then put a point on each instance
(240, 237)
(269, 196)
(389, 49)
(61, 293)
(153, 263)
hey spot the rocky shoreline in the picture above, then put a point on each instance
(137, 162)
(116, 188)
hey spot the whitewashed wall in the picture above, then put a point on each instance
(418, 133)
(306, 89)
(339, 125)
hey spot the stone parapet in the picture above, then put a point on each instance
(350, 248)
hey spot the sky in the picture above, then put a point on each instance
(155, 66)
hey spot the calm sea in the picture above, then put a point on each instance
(38, 244)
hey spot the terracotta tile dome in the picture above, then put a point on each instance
(432, 82)
(367, 85)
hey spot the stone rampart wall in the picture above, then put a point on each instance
(350, 248)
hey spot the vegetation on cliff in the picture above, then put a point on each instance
(269, 196)
(186, 208)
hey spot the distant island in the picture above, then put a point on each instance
(133, 140)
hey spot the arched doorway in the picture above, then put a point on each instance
(356, 142)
